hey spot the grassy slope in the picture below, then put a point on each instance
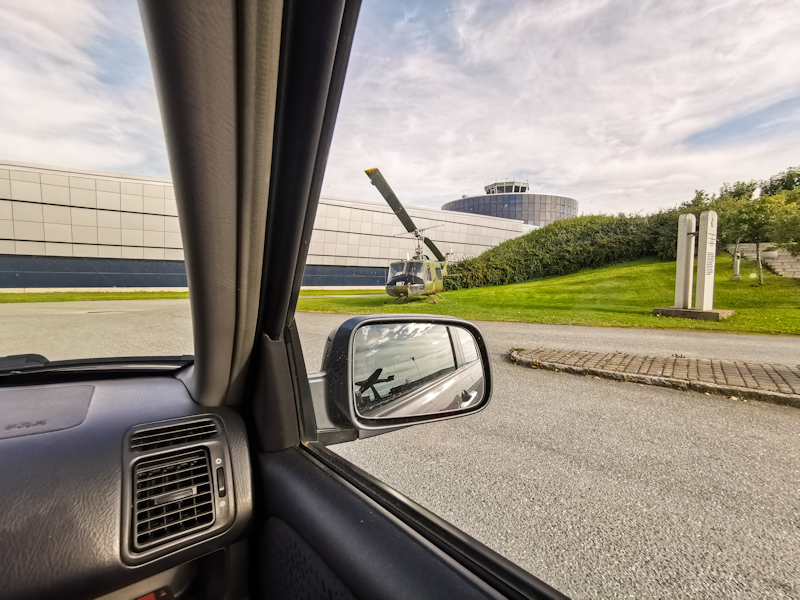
(79, 296)
(620, 296)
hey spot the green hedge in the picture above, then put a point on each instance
(561, 248)
(578, 243)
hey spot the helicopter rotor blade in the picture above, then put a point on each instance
(393, 201)
(436, 252)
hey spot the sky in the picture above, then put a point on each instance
(625, 106)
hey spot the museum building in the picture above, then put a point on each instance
(512, 200)
(74, 229)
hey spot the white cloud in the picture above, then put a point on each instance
(623, 106)
(590, 100)
(76, 88)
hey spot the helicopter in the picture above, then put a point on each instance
(418, 276)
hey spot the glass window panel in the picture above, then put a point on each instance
(395, 269)
(468, 345)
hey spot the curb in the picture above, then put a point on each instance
(669, 382)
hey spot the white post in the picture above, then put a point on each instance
(736, 266)
(706, 260)
(684, 270)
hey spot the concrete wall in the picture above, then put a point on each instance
(367, 234)
(56, 212)
(50, 212)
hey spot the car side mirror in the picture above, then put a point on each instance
(380, 373)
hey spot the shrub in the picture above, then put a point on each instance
(564, 247)
(664, 234)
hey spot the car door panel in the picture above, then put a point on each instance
(365, 550)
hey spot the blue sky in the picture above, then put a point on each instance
(625, 106)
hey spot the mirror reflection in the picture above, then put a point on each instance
(412, 369)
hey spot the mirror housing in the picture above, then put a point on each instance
(333, 389)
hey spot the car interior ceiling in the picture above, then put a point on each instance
(249, 93)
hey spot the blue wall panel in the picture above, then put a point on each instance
(69, 272)
(327, 275)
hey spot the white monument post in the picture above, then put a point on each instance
(684, 272)
(706, 260)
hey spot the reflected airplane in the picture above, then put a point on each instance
(369, 383)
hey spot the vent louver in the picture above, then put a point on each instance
(172, 435)
(172, 497)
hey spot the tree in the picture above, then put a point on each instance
(730, 230)
(787, 180)
(728, 202)
(753, 222)
(740, 190)
(699, 203)
(785, 230)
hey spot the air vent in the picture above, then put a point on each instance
(172, 497)
(172, 435)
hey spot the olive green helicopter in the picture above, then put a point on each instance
(418, 276)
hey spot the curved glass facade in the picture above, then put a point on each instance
(534, 209)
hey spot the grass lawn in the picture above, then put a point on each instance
(339, 292)
(618, 296)
(79, 296)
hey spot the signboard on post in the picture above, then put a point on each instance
(706, 260)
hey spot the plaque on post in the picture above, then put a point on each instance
(706, 260)
(706, 269)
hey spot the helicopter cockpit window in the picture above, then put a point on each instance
(415, 269)
(395, 269)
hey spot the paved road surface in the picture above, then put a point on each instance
(603, 489)
(606, 489)
(63, 330)
(97, 329)
(692, 344)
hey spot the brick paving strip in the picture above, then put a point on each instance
(779, 384)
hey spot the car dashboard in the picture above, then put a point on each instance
(110, 482)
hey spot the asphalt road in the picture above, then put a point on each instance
(603, 489)
(65, 330)
(606, 489)
(96, 329)
(656, 342)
